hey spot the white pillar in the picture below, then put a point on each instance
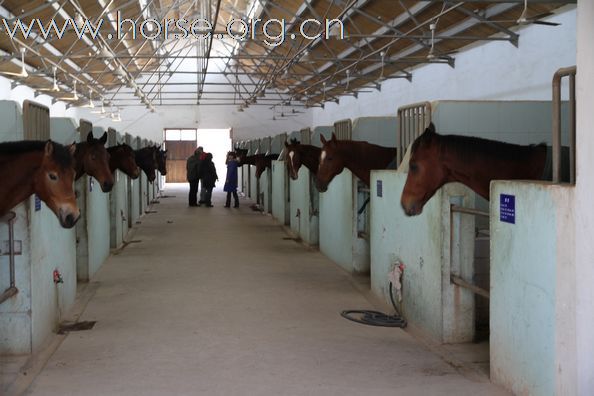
(584, 199)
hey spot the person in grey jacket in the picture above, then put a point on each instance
(193, 175)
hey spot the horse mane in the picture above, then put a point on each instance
(61, 155)
(469, 147)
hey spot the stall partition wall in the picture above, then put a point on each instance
(254, 186)
(280, 181)
(430, 302)
(118, 199)
(344, 209)
(394, 236)
(29, 317)
(135, 202)
(266, 177)
(532, 302)
(93, 228)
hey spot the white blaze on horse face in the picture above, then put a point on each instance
(322, 156)
(291, 155)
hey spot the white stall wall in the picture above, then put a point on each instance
(584, 191)
(492, 71)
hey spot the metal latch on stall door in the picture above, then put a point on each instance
(17, 248)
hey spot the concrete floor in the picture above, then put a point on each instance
(215, 301)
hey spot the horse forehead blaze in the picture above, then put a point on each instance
(322, 156)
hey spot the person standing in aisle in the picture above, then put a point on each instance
(193, 175)
(231, 180)
(208, 178)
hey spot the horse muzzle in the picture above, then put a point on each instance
(68, 218)
(412, 209)
(106, 186)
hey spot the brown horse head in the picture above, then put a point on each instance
(293, 158)
(161, 160)
(331, 162)
(425, 172)
(122, 157)
(241, 155)
(263, 161)
(146, 158)
(53, 181)
(92, 158)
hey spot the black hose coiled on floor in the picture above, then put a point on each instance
(375, 318)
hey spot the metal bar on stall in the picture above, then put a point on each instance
(557, 79)
(412, 121)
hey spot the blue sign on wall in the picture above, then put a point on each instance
(507, 208)
(90, 184)
(37, 203)
(379, 188)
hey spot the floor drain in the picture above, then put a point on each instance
(150, 211)
(78, 326)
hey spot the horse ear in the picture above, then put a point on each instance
(72, 149)
(103, 139)
(286, 144)
(90, 137)
(49, 148)
(430, 128)
(323, 139)
(334, 137)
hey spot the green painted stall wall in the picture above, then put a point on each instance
(430, 302)
(118, 209)
(532, 270)
(28, 318)
(135, 190)
(336, 221)
(266, 190)
(304, 208)
(280, 204)
(254, 184)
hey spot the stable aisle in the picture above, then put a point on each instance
(215, 301)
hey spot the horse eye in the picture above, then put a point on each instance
(53, 176)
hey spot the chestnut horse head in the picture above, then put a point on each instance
(91, 157)
(359, 157)
(146, 158)
(439, 159)
(161, 160)
(241, 155)
(425, 173)
(122, 157)
(331, 162)
(42, 168)
(301, 154)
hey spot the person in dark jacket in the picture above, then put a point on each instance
(208, 178)
(231, 180)
(193, 175)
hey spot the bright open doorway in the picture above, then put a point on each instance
(181, 143)
(218, 143)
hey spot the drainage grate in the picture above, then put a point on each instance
(78, 326)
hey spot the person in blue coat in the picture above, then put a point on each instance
(231, 180)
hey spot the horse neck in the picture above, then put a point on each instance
(79, 156)
(115, 158)
(478, 170)
(362, 157)
(17, 186)
(144, 159)
(310, 157)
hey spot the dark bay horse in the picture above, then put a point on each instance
(359, 157)
(91, 157)
(43, 168)
(263, 161)
(122, 157)
(161, 160)
(439, 159)
(302, 154)
(146, 158)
